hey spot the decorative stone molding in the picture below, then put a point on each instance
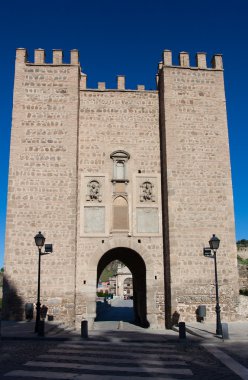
(120, 158)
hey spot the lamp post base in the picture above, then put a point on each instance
(218, 321)
(36, 329)
(41, 328)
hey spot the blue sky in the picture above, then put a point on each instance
(128, 37)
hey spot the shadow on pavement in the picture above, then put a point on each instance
(134, 346)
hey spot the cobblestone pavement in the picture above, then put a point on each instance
(237, 350)
(110, 355)
(119, 350)
(13, 353)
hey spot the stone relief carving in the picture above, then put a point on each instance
(93, 191)
(147, 192)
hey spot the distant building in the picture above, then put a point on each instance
(124, 281)
(120, 284)
(112, 285)
(103, 287)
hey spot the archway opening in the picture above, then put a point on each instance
(134, 262)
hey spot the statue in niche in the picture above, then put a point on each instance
(147, 192)
(94, 191)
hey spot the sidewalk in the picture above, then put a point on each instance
(231, 351)
(59, 331)
(238, 331)
(25, 330)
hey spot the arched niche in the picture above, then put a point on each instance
(120, 214)
(120, 158)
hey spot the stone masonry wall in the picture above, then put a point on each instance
(124, 120)
(243, 307)
(63, 136)
(243, 252)
(200, 202)
(243, 276)
(42, 185)
(243, 269)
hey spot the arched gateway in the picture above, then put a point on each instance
(148, 310)
(97, 170)
(138, 269)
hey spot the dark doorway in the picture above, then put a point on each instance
(137, 267)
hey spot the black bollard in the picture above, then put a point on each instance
(225, 332)
(29, 311)
(41, 328)
(84, 329)
(182, 330)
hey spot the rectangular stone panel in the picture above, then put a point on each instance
(120, 187)
(147, 220)
(120, 218)
(94, 219)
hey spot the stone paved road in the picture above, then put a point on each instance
(115, 355)
(114, 350)
(13, 353)
(120, 310)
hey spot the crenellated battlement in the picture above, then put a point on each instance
(167, 61)
(184, 61)
(40, 57)
(101, 86)
(57, 60)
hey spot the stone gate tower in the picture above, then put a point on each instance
(135, 175)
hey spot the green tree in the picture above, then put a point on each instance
(242, 243)
(110, 270)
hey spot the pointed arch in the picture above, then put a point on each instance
(120, 214)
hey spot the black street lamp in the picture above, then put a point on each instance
(40, 241)
(214, 243)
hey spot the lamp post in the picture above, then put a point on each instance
(40, 241)
(214, 243)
